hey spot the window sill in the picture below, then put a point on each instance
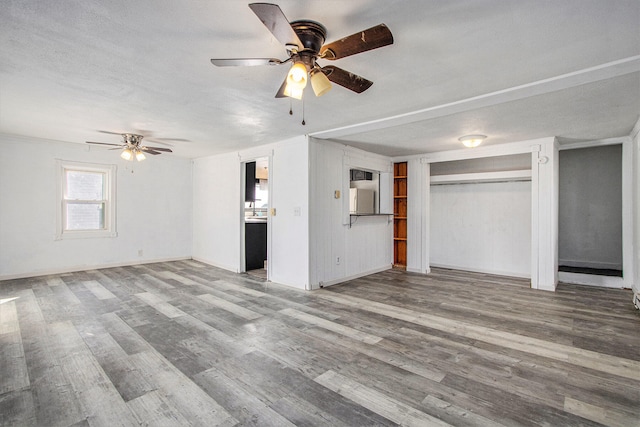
(97, 234)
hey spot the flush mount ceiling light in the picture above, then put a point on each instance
(471, 141)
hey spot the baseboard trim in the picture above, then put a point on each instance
(482, 270)
(591, 280)
(590, 264)
(346, 279)
(86, 268)
(217, 265)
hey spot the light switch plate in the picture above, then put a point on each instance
(273, 211)
(336, 194)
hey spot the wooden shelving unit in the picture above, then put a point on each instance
(400, 215)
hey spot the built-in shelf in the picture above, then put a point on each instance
(462, 178)
(400, 215)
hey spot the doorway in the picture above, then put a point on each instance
(590, 212)
(256, 218)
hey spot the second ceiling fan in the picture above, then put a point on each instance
(304, 41)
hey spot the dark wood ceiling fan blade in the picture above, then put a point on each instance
(155, 153)
(169, 139)
(371, 38)
(147, 148)
(244, 62)
(346, 79)
(276, 22)
(110, 133)
(105, 143)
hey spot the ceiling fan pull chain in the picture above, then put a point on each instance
(303, 122)
(290, 107)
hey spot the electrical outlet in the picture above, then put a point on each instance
(337, 260)
(140, 252)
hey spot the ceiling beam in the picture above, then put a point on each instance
(564, 81)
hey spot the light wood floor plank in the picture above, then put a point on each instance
(151, 409)
(230, 307)
(394, 358)
(379, 403)
(8, 317)
(192, 402)
(585, 358)
(184, 343)
(14, 374)
(17, 408)
(456, 415)
(53, 401)
(129, 382)
(98, 290)
(242, 404)
(604, 416)
(98, 397)
(159, 304)
(178, 278)
(332, 326)
(225, 286)
(55, 281)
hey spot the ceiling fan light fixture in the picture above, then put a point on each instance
(293, 91)
(127, 154)
(140, 156)
(319, 82)
(471, 141)
(297, 77)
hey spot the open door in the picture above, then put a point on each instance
(255, 218)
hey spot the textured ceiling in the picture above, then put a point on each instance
(511, 70)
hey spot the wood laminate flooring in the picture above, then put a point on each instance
(183, 343)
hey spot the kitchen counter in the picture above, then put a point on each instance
(255, 219)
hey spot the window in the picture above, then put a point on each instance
(86, 200)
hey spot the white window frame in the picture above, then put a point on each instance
(109, 171)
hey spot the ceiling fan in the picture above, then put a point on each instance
(304, 41)
(132, 146)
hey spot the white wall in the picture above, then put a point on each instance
(482, 227)
(153, 210)
(289, 177)
(217, 194)
(217, 191)
(418, 202)
(362, 248)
